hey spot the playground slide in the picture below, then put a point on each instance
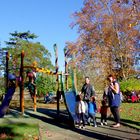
(70, 101)
(6, 101)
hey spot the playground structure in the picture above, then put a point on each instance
(32, 75)
(8, 96)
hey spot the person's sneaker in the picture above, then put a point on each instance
(76, 125)
(95, 125)
(83, 127)
(116, 125)
(79, 127)
(105, 123)
(101, 124)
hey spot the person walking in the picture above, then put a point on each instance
(114, 99)
(103, 112)
(92, 109)
(87, 90)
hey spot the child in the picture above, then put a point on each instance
(103, 112)
(80, 111)
(92, 109)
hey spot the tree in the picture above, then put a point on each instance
(107, 35)
(2, 83)
(34, 51)
(45, 84)
(129, 85)
(35, 54)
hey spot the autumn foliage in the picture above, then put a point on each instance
(108, 33)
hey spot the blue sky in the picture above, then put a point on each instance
(49, 19)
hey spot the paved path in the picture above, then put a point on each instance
(51, 129)
(100, 133)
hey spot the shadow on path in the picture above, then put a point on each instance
(127, 122)
(63, 122)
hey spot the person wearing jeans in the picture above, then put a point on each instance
(92, 109)
(87, 92)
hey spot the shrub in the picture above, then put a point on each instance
(130, 85)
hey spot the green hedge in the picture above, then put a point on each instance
(130, 85)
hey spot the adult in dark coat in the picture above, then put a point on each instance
(87, 90)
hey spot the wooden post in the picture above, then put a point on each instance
(57, 76)
(7, 71)
(35, 99)
(66, 70)
(62, 88)
(22, 84)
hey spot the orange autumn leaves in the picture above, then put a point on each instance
(108, 33)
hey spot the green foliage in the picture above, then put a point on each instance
(70, 82)
(2, 86)
(130, 84)
(45, 83)
(34, 51)
(71, 79)
(23, 35)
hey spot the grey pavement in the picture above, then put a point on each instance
(51, 129)
(56, 128)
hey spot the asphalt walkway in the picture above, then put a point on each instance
(51, 127)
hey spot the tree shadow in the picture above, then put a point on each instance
(6, 132)
(126, 122)
(65, 123)
(109, 126)
(130, 122)
(8, 129)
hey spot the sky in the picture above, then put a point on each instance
(49, 19)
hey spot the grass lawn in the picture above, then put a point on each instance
(19, 131)
(130, 114)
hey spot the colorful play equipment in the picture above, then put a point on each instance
(68, 96)
(11, 76)
(8, 96)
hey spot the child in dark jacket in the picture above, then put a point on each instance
(103, 112)
(92, 109)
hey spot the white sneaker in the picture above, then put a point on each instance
(105, 123)
(101, 124)
(79, 127)
(95, 125)
(117, 125)
(84, 127)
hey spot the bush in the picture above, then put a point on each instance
(130, 85)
